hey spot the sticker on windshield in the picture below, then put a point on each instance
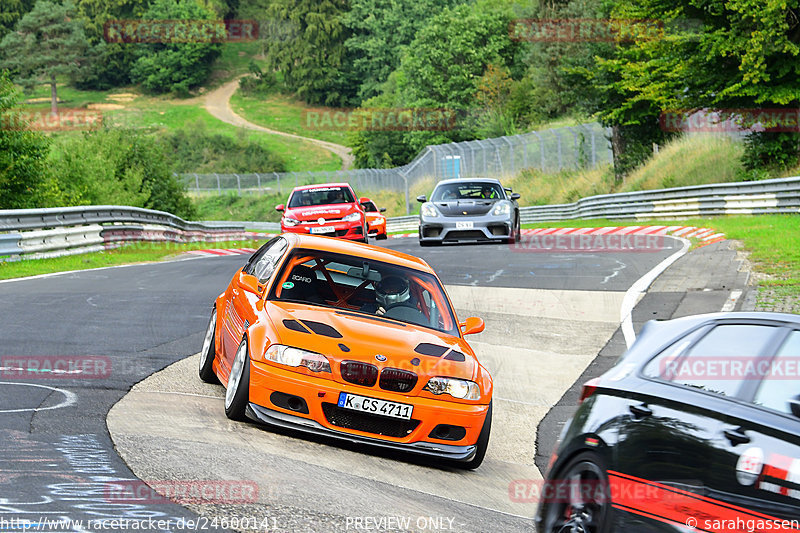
(749, 465)
(288, 285)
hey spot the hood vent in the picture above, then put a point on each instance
(434, 350)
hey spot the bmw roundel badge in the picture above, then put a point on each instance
(380, 357)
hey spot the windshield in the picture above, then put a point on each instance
(472, 190)
(321, 196)
(369, 287)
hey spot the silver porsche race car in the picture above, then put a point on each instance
(477, 209)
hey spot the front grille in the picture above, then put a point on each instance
(396, 380)
(466, 234)
(368, 423)
(359, 373)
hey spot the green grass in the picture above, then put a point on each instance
(234, 61)
(143, 252)
(161, 113)
(688, 161)
(250, 207)
(773, 242)
(282, 113)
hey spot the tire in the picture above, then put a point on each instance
(482, 443)
(208, 352)
(571, 511)
(237, 395)
(381, 237)
(516, 233)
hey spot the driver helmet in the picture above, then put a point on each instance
(392, 290)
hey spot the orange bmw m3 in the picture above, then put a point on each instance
(351, 341)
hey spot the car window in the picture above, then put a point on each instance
(719, 362)
(781, 380)
(264, 265)
(373, 288)
(369, 207)
(321, 196)
(468, 190)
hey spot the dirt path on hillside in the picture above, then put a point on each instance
(218, 103)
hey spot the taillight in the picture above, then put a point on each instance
(588, 389)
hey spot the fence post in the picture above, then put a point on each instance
(560, 154)
(196, 182)
(219, 187)
(238, 184)
(278, 179)
(510, 153)
(258, 180)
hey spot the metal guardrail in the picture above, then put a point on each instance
(35, 233)
(776, 196)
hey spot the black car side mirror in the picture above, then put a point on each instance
(422, 198)
(382, 209)
(794, 405)
(515, 196)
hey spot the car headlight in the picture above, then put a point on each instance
(428, 210)
(502, 208)
(352, 217)
(290, 222)
(457, 388)
(290, 356)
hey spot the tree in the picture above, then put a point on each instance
(312, 58)
(380, 32)
(47, 42)
(109, 63)
(175, 66)
(10, 12)
(736, 55)
(22, 153)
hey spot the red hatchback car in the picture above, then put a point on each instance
(331, 209)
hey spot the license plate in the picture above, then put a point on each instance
(464, 225)
(323, 229)
(375, 406)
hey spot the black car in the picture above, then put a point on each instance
(697, 427)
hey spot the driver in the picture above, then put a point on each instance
(391, 291)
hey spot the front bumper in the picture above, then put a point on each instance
(266, 379)
(342, 230)
(484, 228)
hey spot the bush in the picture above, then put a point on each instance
(117, 167)
(197, 150)
(771, 151)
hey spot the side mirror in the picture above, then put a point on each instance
(515, 196)
(422, 198)
(382, 209)
(794, 405)
(248, 283)
(280, 207)
(472, 325)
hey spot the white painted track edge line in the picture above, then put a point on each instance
(640, 286)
